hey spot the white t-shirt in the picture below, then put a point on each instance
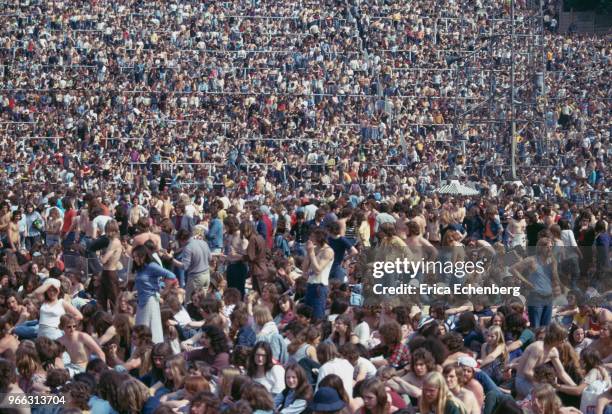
(366, 365)
(99, 223)
(340, 367)
(362, 331)
(274, 380)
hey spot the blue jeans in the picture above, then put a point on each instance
(316, 297)
(539, 315)
(337, 273)
(485, 380)
(26, 330)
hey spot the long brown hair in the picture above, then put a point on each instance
(303, 390)
(377, 388)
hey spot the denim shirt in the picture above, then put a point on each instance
(215, 234)
(147, 281)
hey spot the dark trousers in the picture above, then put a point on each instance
(236, 276)
(108, 289)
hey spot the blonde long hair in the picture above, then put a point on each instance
(499, 340)
(445, 395)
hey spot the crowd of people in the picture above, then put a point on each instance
(188, 190)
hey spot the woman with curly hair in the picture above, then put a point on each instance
(214, 349)
(109, 384)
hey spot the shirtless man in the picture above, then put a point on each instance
(14, 240)
(5, 220)
(604, 344)
(538, 353)
(516, 229)
(595, 317)
(144, 234)
(419, 244)
(79, 345)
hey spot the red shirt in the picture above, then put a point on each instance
(269, 238)
(68, 218)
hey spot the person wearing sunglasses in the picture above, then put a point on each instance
(79, 345)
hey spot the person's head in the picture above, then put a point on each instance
(297, 381)
(159, 354)
(435, 394)
(576, 335)
(422, 362)
(333, 228)
(13, 301)
(175, 371)
(303, 313)
(318, 236)
(225, 381)
(545, 374)
(555, 335)
(247, 229)
(132, 396)
(454, 342)
(544, 247)
(498, 320)
(8, 375)
(468, 365)
(590, 359)
(545, 400)
(453, 374)
(327, 400)
(494, 337)
(343, 326)
(214, 339)
(142, 336)
(68, 324)
(195, 384)
(141, 256)
(27, 360)
(77, 394)
(262, 315)
(374, 396)
(204, 402)
(326, 351)
(261, 358)
(335, 382)
(112, 229)
(52, 289)
(258, 397)
(390, 333)
(285, 304)
(109, 384)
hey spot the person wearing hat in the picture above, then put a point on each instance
(53, 308)
(326, 400)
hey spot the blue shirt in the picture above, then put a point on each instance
(99, 406)
(340, 246)
(215, 234)
(147, 281)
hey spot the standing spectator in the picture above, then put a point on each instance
(317, 265)
(148, 273)
(195, 260)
